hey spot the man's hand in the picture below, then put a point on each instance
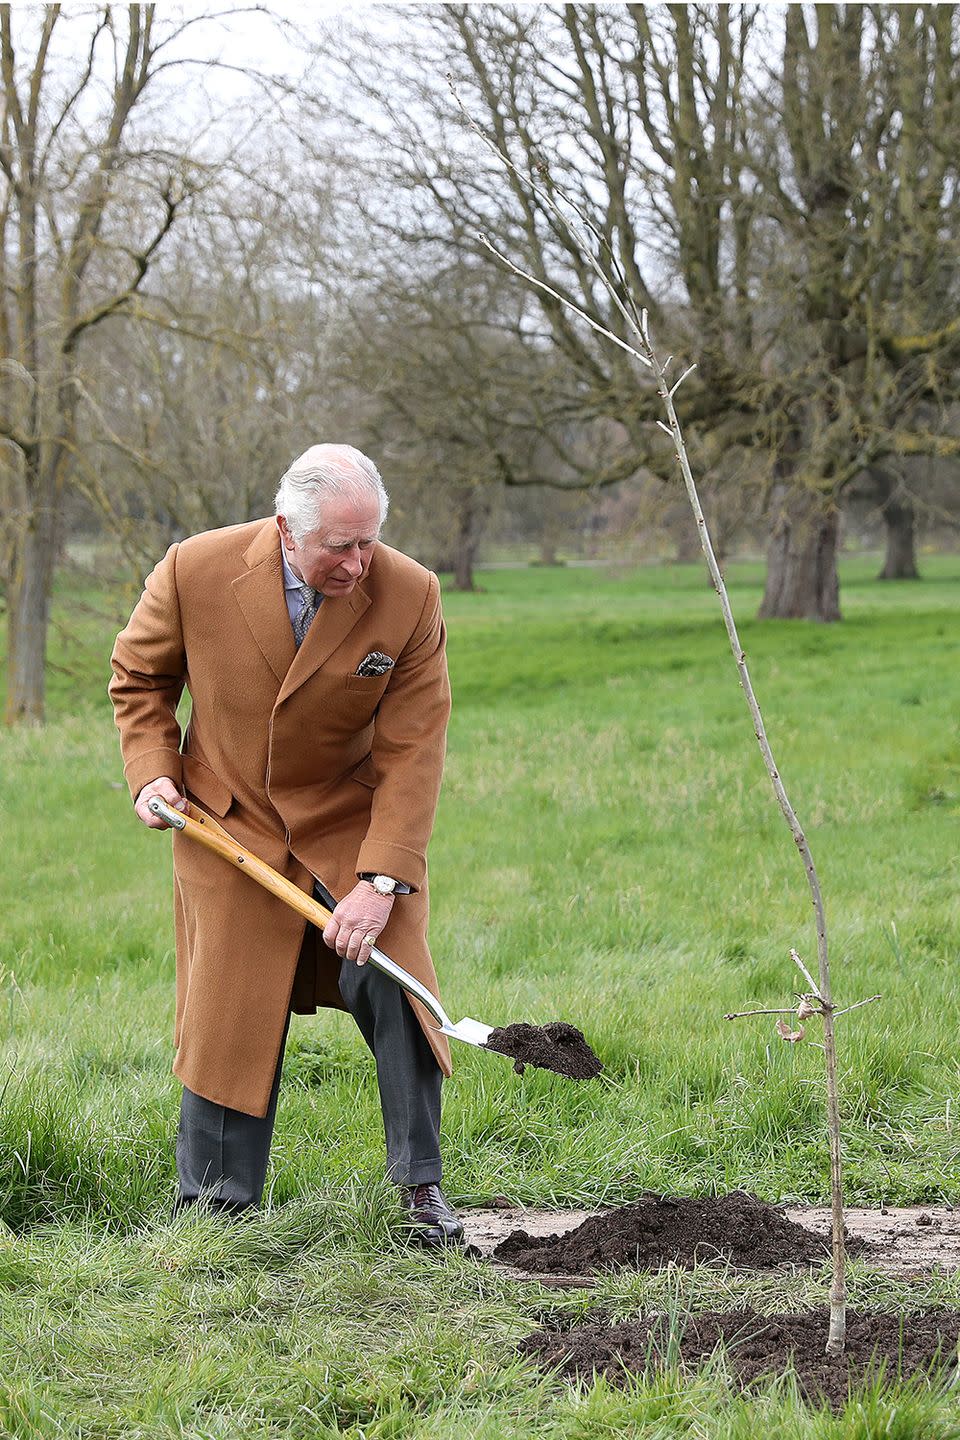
(167, 790)
(357, 921)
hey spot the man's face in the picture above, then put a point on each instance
(334, 557)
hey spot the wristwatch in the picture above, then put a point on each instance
(383, 884)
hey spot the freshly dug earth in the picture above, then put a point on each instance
(759, 1346)
(558, 1046)
(660, 1229)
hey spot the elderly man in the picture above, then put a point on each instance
(314, 658)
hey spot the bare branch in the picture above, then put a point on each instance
(847, 1008)
(806, 974)
(51, 15)
(677, 383)
(10, 432)
(8, 69)
(67, 108)
(921, 442)
(902, 346)
(141, 260)
(575, 309)
(741, 1014)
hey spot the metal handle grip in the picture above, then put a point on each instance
(174, 818)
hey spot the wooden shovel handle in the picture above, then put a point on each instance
(206, 830)
(201, 827)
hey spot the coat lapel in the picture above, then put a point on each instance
(260, 595)
(331, 626)
(259, 592)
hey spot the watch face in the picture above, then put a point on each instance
(384, 885)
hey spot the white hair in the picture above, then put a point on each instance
(319, 472)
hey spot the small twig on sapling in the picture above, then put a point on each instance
(805, 973)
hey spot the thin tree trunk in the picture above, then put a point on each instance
(463, 567)
(802, 581)
(466, 540)
(900, 562)
(34, 551)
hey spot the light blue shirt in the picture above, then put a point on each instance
(291, 588)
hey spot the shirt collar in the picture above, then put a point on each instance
(290, 581)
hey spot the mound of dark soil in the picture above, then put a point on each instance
(558, 1046)
(759, 1346)
(660, 1229)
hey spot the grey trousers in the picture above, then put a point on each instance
(222, 1154)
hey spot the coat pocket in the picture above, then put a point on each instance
(206, 785)
(366, 773)
(372, 685)
(358, 700)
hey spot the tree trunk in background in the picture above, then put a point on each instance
(802, 581)
(898, 517)
(688, 548)
(689, 551)
(31, 584)
(463, 567)
(466, 538)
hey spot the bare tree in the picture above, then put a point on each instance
(95, 182)
(775, 187)
(590, 99)
(200, 415)
(859, 186)
(434, 370)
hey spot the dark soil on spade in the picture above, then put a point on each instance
(660, 1230)
(558, 1047)
(759, 1346)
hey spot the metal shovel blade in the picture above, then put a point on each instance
(471, 1032)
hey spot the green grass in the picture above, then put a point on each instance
(608, 851)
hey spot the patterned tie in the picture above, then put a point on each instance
(309, 605)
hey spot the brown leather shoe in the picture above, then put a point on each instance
(432, 1221)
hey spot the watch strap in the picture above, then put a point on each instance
(399, 889)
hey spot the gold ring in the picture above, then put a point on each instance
(370, 940)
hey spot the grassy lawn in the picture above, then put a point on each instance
(608, 852)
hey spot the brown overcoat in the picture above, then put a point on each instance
(317, 770)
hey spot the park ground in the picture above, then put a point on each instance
(607, 852)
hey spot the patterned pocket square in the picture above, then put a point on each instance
(376, 663)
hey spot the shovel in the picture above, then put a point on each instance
(215, 838)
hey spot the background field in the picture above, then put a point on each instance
(607, 852)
